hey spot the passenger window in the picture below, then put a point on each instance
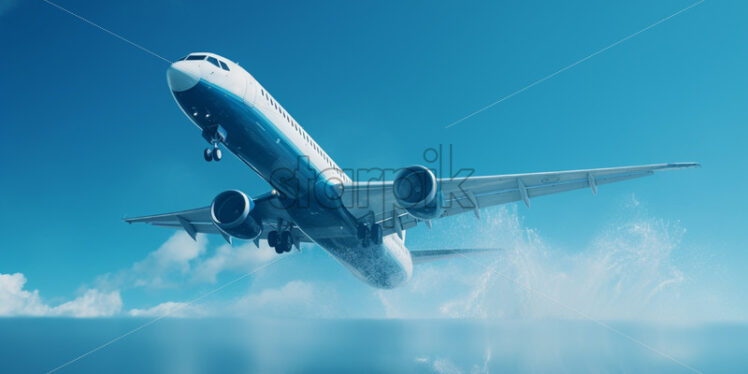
(224, 66)
(214, 61)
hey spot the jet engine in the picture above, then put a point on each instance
(417, 191)
(231, 211)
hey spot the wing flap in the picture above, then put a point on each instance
(458, 204)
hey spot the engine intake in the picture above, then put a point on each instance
(417, 191)
(231, 212)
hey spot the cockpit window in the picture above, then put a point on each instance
(183, 58)
(214, 61)
(195, 57)
(224, 66)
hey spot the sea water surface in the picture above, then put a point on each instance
(30, 345)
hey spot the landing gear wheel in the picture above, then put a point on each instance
(217, 154)
(208, 154)
(273, 238)
(286, 241)
(376, 234)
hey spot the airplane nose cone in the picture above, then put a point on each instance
(182, 76)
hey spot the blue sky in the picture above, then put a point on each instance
(91, 134)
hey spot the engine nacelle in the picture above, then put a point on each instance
(417, 191)
(230, 211)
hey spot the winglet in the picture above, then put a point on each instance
(682, 165)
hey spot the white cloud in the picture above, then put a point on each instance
(181, 259)
(244, 258)
(294, 299)
(171, 259)
(93, 303)
(169, 309)
(167, 266)
(15, 301)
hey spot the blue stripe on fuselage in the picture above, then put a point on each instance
(257, 141)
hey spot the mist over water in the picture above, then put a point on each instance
(632, 270)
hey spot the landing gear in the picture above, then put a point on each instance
(282, 242)
(273, 239)
(213, 154)
(215, 136)
(279, 249)
(369, 234)
(286, 241)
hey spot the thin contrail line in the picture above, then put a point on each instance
(541, 80)
(168, 313)
(586, 316)
(118, 36)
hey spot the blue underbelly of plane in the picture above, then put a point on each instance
(305, 193)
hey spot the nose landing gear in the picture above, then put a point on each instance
(213, 154)
(216, 136)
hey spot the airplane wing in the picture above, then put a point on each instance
(470, 194)
(198, 220)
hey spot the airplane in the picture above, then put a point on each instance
(361, 224)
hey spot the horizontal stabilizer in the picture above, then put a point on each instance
(427, 255)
